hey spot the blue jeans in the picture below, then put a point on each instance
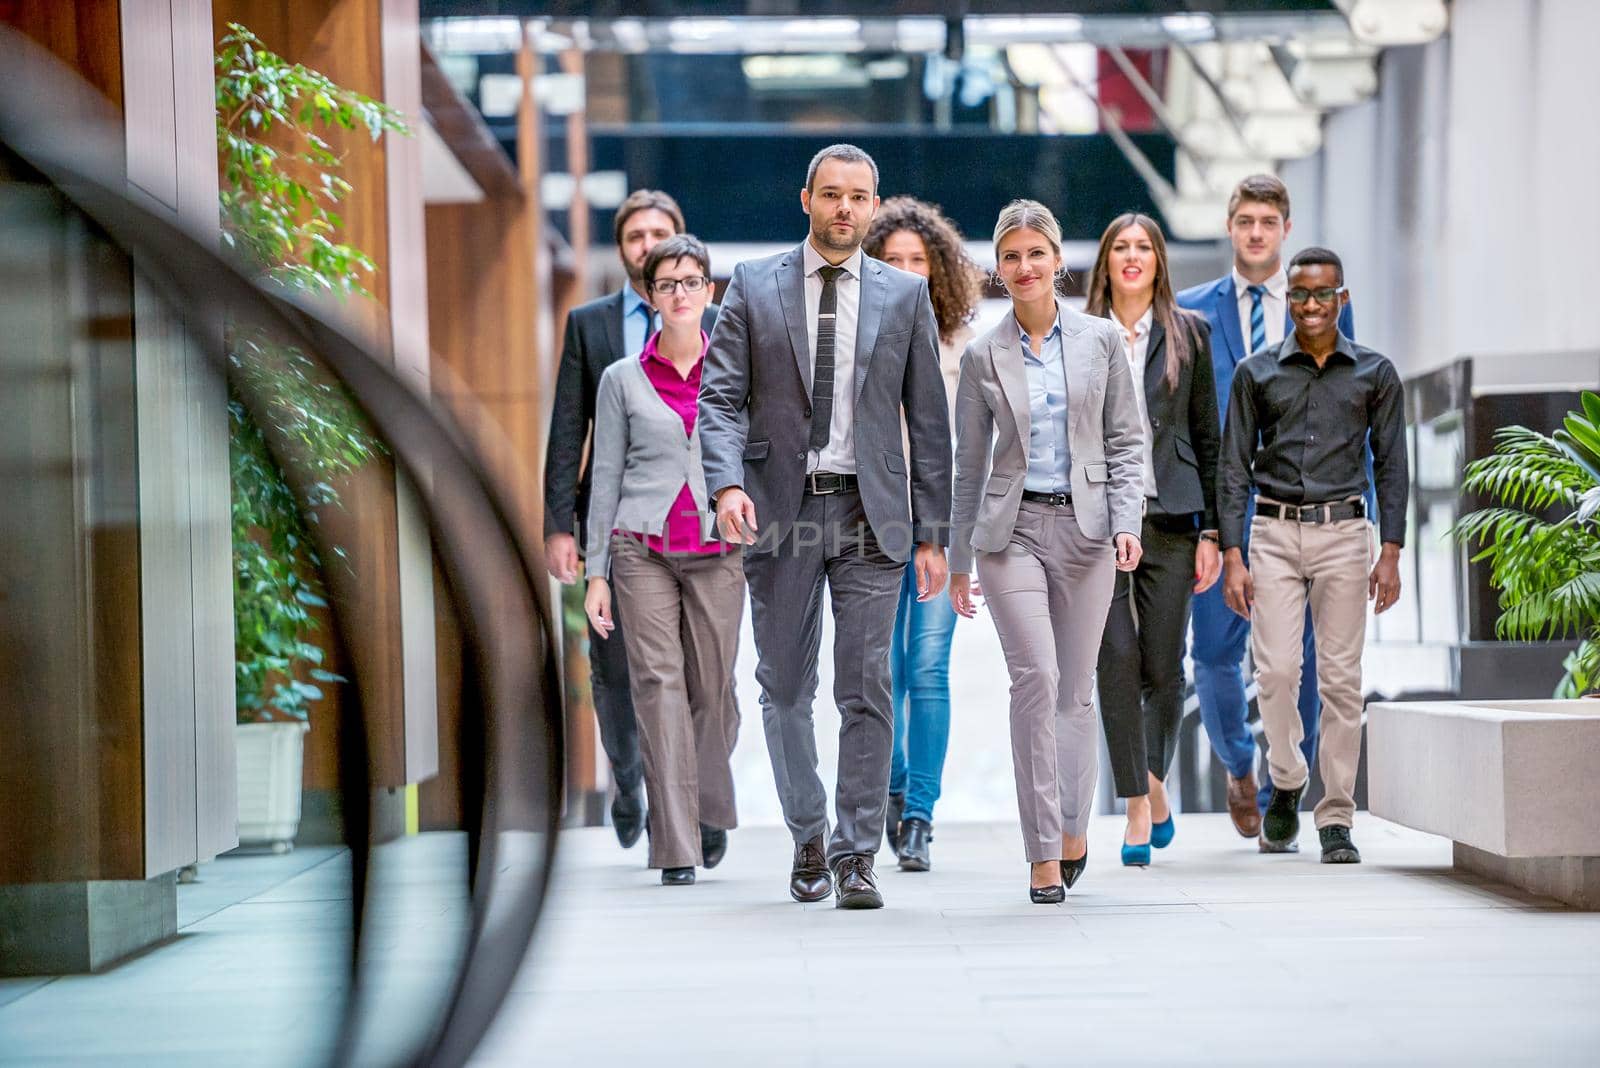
(919, 669)
(1220, 638)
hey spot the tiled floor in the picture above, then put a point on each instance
(1214, 954)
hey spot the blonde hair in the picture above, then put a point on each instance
(1027, 215)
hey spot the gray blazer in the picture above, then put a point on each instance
(755, 401)
(993, 417)
(641, 460)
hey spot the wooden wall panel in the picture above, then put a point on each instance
(71, 804)
(186, 578)
(211, 532)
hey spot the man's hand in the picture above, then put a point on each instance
(597, 605)
(561, 557)
(1383, 586)
(736, 516)
(1128, 551)
(1237, 588)
(961, 590)
(1207, 565)
(931, 570)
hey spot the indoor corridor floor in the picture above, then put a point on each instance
(1214, 953)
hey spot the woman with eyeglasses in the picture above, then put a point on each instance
(1049, 485)
(1168, 351)
(914, 236)
(681, 589)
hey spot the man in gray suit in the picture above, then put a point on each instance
(815, 355)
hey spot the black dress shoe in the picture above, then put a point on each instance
(1071, 869)
(915, 834)
(891, 821)
(628, 816)
(677, 876)
(855, 884)
(713, 845)
(809, 879)
(1047, 895)
(1280, 824)
(1337, 848)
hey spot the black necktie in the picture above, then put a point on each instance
(822, 373)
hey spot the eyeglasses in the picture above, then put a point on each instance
(665, 287)
(1325, 295)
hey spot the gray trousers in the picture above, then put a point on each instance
(1049, 591)
(683, 635)
(830, 540)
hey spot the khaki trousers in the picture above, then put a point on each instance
(683, 616)
(1329, 565)
(1049, 592)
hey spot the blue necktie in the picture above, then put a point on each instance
(1258, 319)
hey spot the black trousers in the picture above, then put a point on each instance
(613, 705)
(1141, 654)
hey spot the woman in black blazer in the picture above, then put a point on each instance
(1141, 654)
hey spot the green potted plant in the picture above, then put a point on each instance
(1540, 539)
(280, 192)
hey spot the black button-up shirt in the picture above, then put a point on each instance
(1298, 434)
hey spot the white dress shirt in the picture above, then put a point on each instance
(840, 453)
(1274, 305)
(1137, 348)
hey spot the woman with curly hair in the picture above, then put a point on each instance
(915, 237)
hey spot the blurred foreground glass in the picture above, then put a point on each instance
(118, 575)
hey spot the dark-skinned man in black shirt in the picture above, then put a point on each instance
(1298, 416)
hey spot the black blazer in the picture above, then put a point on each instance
(1184, 425)
(592, 343)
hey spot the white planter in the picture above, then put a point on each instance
(271, 758)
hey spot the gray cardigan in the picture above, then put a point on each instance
(641, 460)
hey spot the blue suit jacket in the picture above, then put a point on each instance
(1218, 301)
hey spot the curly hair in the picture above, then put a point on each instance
(955, 282)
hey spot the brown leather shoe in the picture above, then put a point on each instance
(1242, 805)
(809, 879)
(857, 887)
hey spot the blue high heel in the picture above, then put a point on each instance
(1161, 833)
(1135, 856)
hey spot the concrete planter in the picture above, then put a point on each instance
(271, 760)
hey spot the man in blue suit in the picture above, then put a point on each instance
(1248, 310)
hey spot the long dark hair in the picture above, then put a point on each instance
(1174, 320)
(954, 281)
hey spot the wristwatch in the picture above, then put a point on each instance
(1211, 536)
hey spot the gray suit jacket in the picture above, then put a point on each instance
(993, 418)
(641, 460)
(755, 402)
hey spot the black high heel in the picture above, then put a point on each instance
(1071, 869)
(1047, 895)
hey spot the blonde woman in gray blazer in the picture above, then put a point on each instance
(651, 536)
(1049, 492)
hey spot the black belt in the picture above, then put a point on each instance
(1312, 513)
(1057, 500)
(822, 483)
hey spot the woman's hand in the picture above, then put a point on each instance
(962, 589)
(1128, 552)
(1207, 565)
(597, 604)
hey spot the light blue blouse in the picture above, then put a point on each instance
(1049, 455)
